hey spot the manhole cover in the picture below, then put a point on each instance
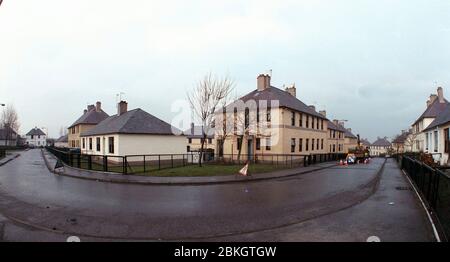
(403, 188)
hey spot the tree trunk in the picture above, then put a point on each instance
(240, 147)
(201, 151)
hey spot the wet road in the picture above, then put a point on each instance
(32, 195)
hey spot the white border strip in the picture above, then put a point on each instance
(436, 235)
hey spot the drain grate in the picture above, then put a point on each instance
(403, 188)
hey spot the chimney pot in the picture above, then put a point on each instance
(98, 106)
(122, 108)
(291, 90)
(263, 82)
(440, 94)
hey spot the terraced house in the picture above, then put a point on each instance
(90, 118)
(274, 121)
(194, 136)
(350, 140)
(380, 147)
(336, 137)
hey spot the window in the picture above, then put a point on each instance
(268, 144)
(32, 136)
(321, 147)
(111, 145)
(84, 142)
(446, 138)
(334, 148)
(321, 124)
(190, 140)
(312, 144)
(209, 140)
(268, 116)
(300, 121)
(90, 143)
(307, 121)
(436, 143)
(300, 144)
(258, 143)
(239, 143)
(312, 122)
(39, 143)
(292, 118)
(188, 149)
(257, 115)
(39, 136)
(317, 123)
(334, 133)
(98, 143)
(317, 146)
(307, 144)
(292, 145)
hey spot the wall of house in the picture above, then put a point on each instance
(61, 144)
(74, 140)
(37, 140)
(196, 144)
(350, 143)
(338, 141)
(378, 150)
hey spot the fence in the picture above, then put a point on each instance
(2, 153)
(434, 186)
(131, 164)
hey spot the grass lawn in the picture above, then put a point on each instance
(212, 170)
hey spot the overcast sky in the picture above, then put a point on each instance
(373, 63)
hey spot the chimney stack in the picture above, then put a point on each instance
(90, 108)
(313, 107)
(336, 122)
(98, 106)
(433, 97)
(428, 103)
(440, 94)
(349, 130)
(84, 111)
(291, 90)
(122, 108)
(192, 128)
(263, 82)
(323, 112)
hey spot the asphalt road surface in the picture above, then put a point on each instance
(36, 205)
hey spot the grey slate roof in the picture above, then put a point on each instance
(400, 139)
(135, 121)
(197, 132)
(91, 117)
(35, 132)
(349, 134)
(433, 110)
(365, 142)
(285, 100)
(333, 126)
(381, 142)
(442, 118)
(63, 139)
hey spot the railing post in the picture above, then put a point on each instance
(144, 164)
(159, 162)
(171, 160)
(89, 162)
(78, 160)
(105, 163)
(125, 165)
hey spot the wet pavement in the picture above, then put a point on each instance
(36, 205)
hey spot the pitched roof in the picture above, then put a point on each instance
(381, 142)
(400, 139)
(197, 132)
(349, 134)
(336, 127)
(135, 121)
(91, 117)
(365, 142)
(285, 100)
(442, 118)
(433, 110)
(35, 132)
(63, 139)
(6, 131)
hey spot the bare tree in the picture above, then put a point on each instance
(10, 121)
(410, 141)
(205, 99)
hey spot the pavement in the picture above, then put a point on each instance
(11, 155)
(333, 204)
(155, 180)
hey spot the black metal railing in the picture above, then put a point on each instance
(134, 164)
(2, 153)
(434, 186)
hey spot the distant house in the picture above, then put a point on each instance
(63, 141)
(36, 137)
(8, 137)
(194, 136)
(399, 144)
(437, 137)
(133, 132)
(91, 117)
(380, 147)
(435, 105)
(366, 143)
(350, 141)
(336, 138)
